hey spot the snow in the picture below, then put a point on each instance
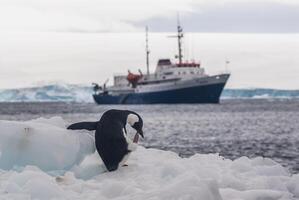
(40, 159)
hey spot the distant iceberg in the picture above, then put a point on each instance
(48, 93)
(259, 93)
(79, 93)
(49, 162)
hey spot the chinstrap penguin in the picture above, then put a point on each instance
(111, 140)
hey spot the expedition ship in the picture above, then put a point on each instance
(171, 83)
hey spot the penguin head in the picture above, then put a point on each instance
(136, 122)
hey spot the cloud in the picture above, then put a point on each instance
(128, 15)
(232, 16)
(80, 15)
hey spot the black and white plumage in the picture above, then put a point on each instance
(111, 140)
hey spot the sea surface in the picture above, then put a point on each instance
(234, 128)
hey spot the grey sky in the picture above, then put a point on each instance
(256, 60)
(78, 41)
(264, 17)
(133, 15)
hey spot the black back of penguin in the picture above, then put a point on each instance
(110, 141)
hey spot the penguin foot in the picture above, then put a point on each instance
(125, 165)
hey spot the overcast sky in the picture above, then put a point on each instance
(84, 41)
(160, 15)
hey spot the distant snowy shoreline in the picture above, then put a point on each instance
(79, 93)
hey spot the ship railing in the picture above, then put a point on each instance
(215, 73)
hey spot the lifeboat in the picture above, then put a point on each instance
(134, 78)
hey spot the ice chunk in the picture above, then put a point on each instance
(156, 174)
(30, 149)
(43, 143)
(33, 182)
(91, 166)
(293, 185)
(55, 121)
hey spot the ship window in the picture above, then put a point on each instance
(179, 72)
(164, 62)
(184, 72)
(163, 77)
(192, 72)
(168, 73)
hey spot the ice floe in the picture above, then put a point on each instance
(40, 159)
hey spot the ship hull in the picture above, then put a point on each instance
(207, 93)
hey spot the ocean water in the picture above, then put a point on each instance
(234, 128)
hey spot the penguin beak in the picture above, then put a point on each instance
(140, 132)
(138, 128)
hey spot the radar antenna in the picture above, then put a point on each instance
(147, 51)
(180, 35)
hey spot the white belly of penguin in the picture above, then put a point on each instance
(131, 147)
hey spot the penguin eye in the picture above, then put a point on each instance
(136, 126)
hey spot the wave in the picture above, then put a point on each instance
(83, 93)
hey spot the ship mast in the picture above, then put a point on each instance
(180, 35)
(147, 51)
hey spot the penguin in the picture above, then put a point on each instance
(111, 139)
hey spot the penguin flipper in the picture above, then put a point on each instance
(83, 125)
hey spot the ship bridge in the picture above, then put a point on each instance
(167, 70)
